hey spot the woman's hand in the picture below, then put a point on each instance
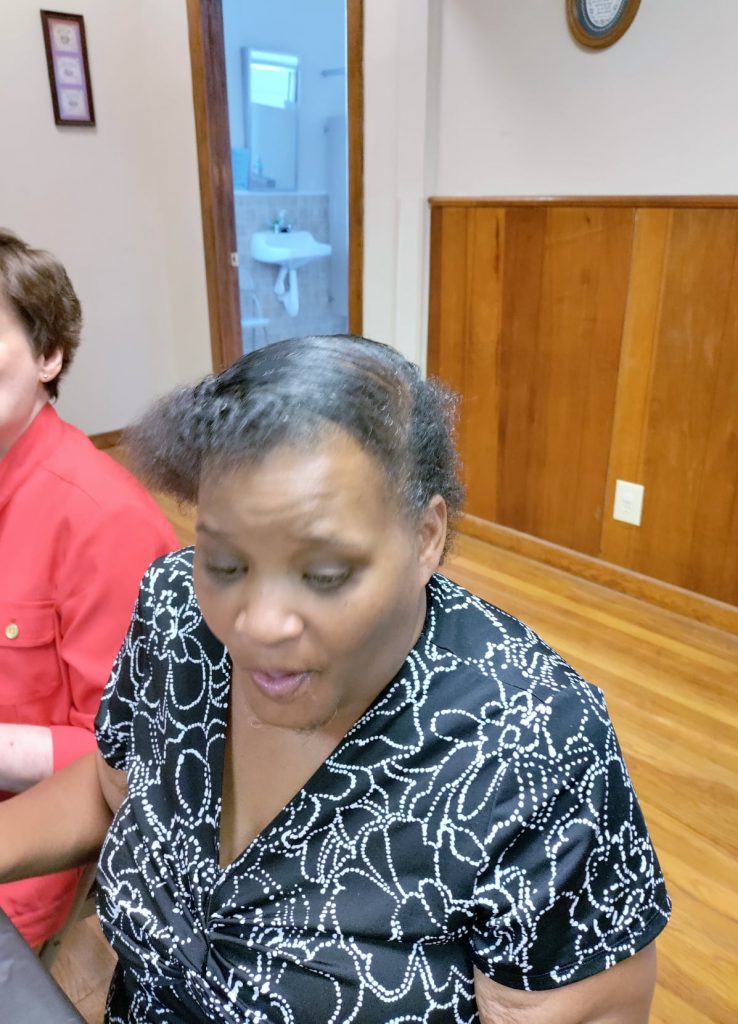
(621, 995)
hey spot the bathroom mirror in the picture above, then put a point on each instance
(271, 97)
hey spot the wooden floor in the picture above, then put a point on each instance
(672, 687)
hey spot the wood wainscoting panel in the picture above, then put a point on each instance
(484, 307)
(448, 298)
(525, 239)
(714, 555)
(632, 406)
(690, 442)
(592, 342)
(573, 380)
(465, 302)
(527, 309)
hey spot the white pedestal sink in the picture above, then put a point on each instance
(288, 250)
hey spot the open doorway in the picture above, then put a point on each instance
(268, 187)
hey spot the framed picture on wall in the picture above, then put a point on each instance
(69, 70)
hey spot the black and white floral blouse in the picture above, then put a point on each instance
(479, 813)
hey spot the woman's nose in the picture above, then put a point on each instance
(266, 618)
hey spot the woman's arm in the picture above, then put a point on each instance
(26, 756)
(106, 558)
(61, 822)
(621, 995)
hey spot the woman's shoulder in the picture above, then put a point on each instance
(167, 614)
(169, 578)
(478, 632)
(166, 599)
(500, 655)
(98, 480)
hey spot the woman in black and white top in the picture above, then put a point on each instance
(346, 789)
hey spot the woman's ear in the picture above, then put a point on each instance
(432, 536)
(50, 366)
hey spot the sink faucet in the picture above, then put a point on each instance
(279, 224)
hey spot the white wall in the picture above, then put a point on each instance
(400, 41)
(314, 31)
(495, 98)
(118, 204)
(525, 111)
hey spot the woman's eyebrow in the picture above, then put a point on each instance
(330, 540)
(311, 541)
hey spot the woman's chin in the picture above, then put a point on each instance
(300, 714)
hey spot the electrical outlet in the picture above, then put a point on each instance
(628, 505)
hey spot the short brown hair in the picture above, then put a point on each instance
(37, 287)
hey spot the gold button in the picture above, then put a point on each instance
(11, 631)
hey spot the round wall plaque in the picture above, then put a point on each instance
(600, 23)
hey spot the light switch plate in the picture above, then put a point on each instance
(628, 506)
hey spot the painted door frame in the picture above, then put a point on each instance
(207, 55)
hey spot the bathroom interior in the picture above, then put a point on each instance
(286, 84)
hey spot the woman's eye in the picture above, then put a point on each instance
(330, 580)
(223, 572)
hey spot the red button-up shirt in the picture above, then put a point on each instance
(77, 532)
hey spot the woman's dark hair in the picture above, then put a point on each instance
(290, 392)
(39, 292)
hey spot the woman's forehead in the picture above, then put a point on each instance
(295, 501)
(332, 473)
(332, 449)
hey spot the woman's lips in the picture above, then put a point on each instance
(279, 685)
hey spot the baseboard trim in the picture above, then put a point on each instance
(108, 439)
(665, 595)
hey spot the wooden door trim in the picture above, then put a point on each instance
(355, 99)
(207, 55)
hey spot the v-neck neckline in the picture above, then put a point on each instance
(262, 836)
(223, 872)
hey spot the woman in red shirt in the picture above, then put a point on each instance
(77, 532)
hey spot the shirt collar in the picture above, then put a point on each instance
(35, 444)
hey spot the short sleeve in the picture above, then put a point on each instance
(571, 884)
(120, 697)
(106, 555)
